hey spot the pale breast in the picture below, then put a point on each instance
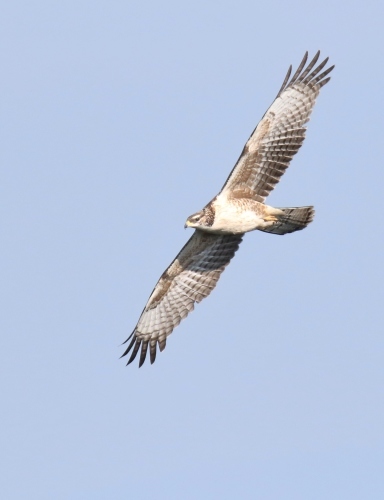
(237, 215)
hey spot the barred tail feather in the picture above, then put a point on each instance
(293, 219)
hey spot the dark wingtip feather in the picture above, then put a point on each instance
(307, 74)
(320, 79)
(143, 354)
(324, 82)
(285, 81)
(299, 69)
(152, 351)
(311, 76)
(125, 341)
(135, 350)
(162, 344)
(130, 345)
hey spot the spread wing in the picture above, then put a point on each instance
(279, 134)
(190, 278)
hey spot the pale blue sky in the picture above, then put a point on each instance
(120, 119)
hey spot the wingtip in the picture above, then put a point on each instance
(125, 341)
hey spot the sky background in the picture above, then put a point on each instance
(120, 119)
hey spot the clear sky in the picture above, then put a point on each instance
(118, 120)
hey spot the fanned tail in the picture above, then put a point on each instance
(293, 219)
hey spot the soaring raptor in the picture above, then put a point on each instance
(237, 209)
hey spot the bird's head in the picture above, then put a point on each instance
(204, 218)
(195, 220)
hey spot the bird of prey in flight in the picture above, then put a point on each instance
(238, 208)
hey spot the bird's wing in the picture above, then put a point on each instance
(190, 278)
(279, 134)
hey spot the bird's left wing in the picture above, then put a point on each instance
(190, 278)
(279, 134)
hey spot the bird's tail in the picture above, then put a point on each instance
(292, 219)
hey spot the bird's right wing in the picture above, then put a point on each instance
(190, 278)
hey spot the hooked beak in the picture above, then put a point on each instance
(187, 224)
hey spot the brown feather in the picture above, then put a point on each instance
(189, 279)
(135, 350)
(279, 135)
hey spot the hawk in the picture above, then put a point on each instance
(238, 208)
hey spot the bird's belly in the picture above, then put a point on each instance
(233, 221)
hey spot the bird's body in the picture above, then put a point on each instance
(237, 215)
(237, 209)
